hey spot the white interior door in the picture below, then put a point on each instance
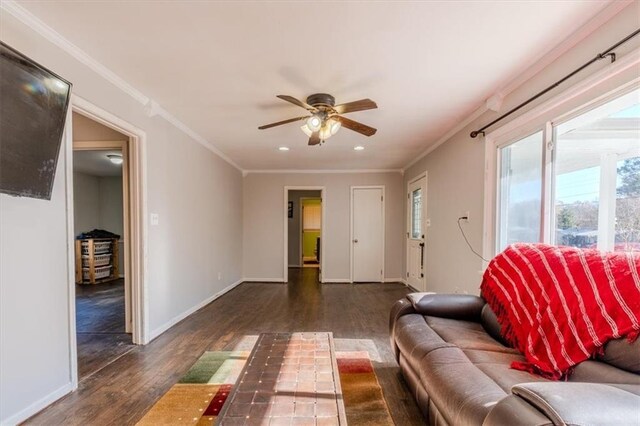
(416, 208)
(367, 224)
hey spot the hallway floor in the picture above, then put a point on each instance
(100, 326)
(123, 391)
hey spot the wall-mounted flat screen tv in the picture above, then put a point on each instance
(33, 109)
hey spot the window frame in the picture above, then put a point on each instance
(545, 118)
(498, 209)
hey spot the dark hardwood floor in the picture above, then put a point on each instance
(124, 390)
(100, 326)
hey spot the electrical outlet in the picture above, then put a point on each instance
(219, 276)
(155, 219)
(467, 215)
(428, 223)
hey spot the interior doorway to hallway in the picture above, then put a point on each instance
(103, 287)
(304, 223)
(310, 230)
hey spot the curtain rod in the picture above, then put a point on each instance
(607, 53)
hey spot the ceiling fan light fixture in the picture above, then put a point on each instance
(325, 132)
(307, 131)
(314, 123)
(334, 125)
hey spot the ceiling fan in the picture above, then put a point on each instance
(325, 119)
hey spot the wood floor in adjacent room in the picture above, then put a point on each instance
(100, 325)
(123, 391)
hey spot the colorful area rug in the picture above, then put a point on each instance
(200, 395)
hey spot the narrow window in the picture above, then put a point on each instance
(416, 213)
(520, 189)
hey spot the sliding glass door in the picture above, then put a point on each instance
(591, 198)
(597, 177)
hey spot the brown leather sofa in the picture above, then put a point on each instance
(457, 366)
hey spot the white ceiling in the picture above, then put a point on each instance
(217, 66)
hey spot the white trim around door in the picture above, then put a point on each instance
(285, 222)
(137, 225)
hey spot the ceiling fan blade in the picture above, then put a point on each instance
(361, 105)
(355, 126)
(297, 102)
(291, 120)
(315, 138)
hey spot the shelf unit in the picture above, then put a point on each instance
(96, 260)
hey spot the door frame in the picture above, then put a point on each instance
(384, 227)
(137, 268)
(123, 146)
(285, 221)
(301, 228)
(423, 175)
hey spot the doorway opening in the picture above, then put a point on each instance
(310, 230)
(416, 232)
(130, 248)
(102, 284)
(304, 229)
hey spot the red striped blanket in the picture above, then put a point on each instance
(560, 305)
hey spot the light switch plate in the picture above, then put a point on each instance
(155, 219)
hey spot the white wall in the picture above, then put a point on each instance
(456, 168)
(294, 225)
(197, 195)
(98, 205)
(86, 200)
(263, 245)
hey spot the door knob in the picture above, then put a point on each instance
(355, 241)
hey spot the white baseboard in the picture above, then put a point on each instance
(394, 280)
(336, 280)
(37, 406)
(264, 280)
(164, 327)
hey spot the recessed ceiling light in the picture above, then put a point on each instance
(115, 158)
(358, 148)
(284, 148)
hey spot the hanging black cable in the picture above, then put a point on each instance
(607, 53)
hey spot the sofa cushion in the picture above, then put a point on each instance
(497, 366)
(462, 393)
(600, 372)
(466, 335)
(622, 354)
(415, 339)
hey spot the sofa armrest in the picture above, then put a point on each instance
(578, 403)
(400, 308)
(513, 410)
(456, 306)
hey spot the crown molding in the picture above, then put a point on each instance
(529, 70)
(319, 171)
(56, 38)
(152, 108)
